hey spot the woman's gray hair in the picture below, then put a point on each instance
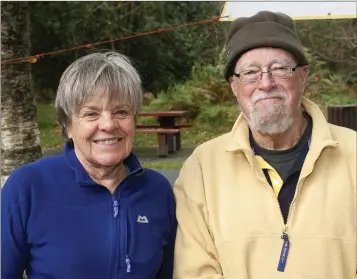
(110, 73)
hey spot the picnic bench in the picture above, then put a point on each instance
(168, 132)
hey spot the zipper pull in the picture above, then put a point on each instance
(128, 264)
(284, 252)
(115, 208)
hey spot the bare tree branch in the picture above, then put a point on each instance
(314, 51)
(332, 37)
(132, 10)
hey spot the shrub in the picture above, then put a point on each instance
(326, 87)
(210, 102)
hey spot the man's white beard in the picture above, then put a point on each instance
(271, 118)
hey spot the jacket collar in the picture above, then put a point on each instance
(321, 135)
(82, 177)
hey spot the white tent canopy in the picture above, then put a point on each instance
(297, 10)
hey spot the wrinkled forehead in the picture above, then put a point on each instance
(265, 56)
(106, 99)
(105, 90)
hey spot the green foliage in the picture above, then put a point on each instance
(178, 97)
(210, 84)
(218, 115)
(326, 87)
(171, 57)
(210, 101)
(161, 59)
(206, 96)
(334, 42)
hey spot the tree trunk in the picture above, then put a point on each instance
(20, 140)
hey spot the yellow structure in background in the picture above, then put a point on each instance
(296, 10)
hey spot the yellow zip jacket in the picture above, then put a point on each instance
(230, 223)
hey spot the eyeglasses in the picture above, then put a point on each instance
(256, 75)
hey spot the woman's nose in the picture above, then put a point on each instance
(107, 123)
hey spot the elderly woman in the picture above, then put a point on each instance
(93, 211)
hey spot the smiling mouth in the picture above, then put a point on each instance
(268, 98)
(107, 141)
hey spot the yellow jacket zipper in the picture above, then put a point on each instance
(284, 235)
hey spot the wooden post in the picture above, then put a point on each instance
(178, 141)
(343, 115)
(169, 122)
(171, 142)
(162, 150)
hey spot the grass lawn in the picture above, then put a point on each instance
(46, 121)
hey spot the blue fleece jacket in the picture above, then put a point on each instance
(58, 223)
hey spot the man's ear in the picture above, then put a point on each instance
(233, 86)
(304, 74)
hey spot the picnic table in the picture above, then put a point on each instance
(167, 130)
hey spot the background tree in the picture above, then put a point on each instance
(20, 142)
(162, 59)
(334, 42)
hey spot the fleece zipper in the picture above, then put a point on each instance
(117, 244)
(128, 235)
(116, 233)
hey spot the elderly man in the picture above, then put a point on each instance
(276, 196)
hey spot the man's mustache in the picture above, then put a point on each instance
(260, 95)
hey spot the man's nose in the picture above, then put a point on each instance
(267, 82)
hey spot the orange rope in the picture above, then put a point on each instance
(34, 58)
